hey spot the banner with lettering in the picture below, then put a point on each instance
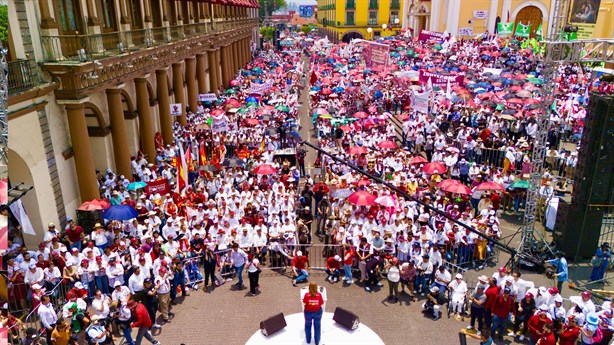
(523, 31)
(505, 29)
(219, 124)
(583, 14)
(441, 80)
(420, 102)
(433, 35)
(376, 56)
(159, 186)
(207, 97)
(261, 88)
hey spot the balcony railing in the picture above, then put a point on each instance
(23, 75)
(395, 5)
(96, 46)
(350, 4)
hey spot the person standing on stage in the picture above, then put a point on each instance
(313, 302)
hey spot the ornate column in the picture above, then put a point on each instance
(118, 132)
(178, 89)
(214, 71)
(225, 57)
(145, 118)
(201, 73)
(164, 106)
(236, 57)
(190, 75)
(82, 149)
(47, 20)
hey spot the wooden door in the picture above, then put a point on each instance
(530, 15)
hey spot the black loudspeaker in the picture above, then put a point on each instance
(273, 324)
(578, 226)
(346, 318)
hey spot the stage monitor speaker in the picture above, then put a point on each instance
(273, 324)
(346, 318)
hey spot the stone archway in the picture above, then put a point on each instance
(532, 13)
(351, 35)
(20, 173)
(99, 132)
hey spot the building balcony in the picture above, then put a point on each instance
(84, 64)
(23, 75)
(350, 4)
(80, 48)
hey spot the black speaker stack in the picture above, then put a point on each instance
(578, 224)
(346, 318)
(273, 324)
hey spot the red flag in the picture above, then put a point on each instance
(314, 78)
(189, 161)
(202, 154)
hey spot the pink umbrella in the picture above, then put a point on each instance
(264, 169)
(387, 144)
(345, 128)
(217, 112)
(3, 191)
(453, 149)
(447, 182)
(360, 115)
(234, 83)
(363, 182)
(418, 160)
(490, 186)
(457, 188)
(434, 167)
(251, 122)
(386, 201)
(357, 150)
(320, 111)
(362, 198)
(94, 205)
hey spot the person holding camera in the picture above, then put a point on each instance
(96, 332)
(434, 300)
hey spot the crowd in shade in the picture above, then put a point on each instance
(238, 194)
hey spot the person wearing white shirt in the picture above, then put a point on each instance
(163, 287)
(120, 293)
(238, 258)
(115, 272)
(135, 282)
(245, 239)
(442, 278)
(459, 290)
(101, 303)
(47, 315)
(34, 275)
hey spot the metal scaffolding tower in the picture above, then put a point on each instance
(4, 95)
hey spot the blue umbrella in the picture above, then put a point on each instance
(137, 185)
(120, 212)
(378, 94)
(338, 89)
(316, 88)
(251, 99)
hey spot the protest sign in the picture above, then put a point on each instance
(441, 80)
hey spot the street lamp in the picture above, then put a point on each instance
(369, 31)
(384, 26)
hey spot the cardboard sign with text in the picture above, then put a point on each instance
(376, 56)
(433, 35)
(440, 80)
(159, 186)
(219, 124)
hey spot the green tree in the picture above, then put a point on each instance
(4, 25)
(267, 32)
(267, 7)
(306, 29)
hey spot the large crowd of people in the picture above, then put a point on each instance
(250, 202)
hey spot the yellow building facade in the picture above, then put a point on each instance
(595, 18)
(344, 20)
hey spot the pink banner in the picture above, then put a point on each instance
(160, 186)
(376, 56)
(441, 80)
(433, 35)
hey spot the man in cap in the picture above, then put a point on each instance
(300, 267)
(478, 299)
(97, 332)
(537, 321)
(434, 300)
(142, 321)
(501, 310)
(74, 233)
(562, 271)
(423, 271)
(333, 265)
(442, 278)
(526, 309)
(570, 332)
(47, 315)
(163, 289)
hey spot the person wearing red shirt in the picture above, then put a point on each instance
(501, 309)
(142, 321)
(300, 265)
(333, 265)
(536, 325)
(348, 260)
(313, 302)
(569, 333)
(547, 337)
(492, 292)
(74, 234)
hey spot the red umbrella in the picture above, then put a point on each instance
(418, 160)
(446, 183)
(360, 115)
(431, 168)
(362, 198)
(531, 101)
(217, 112)
(403, 117)
(264, 169)
(94, 205)
(357, 150)
(387, 144)
(345, 128)
(490, 186)
(326, 91)
(515, 101)
(457, 188)
(362, 182)
(251, 122)
(320, 187)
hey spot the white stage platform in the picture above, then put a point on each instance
(332, 333)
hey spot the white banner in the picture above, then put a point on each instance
(204, 97)
(175, 109)
(219, 124)
(420, 102)
(261, 88)
(480, 14)
(22, 217)
(468, 31)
